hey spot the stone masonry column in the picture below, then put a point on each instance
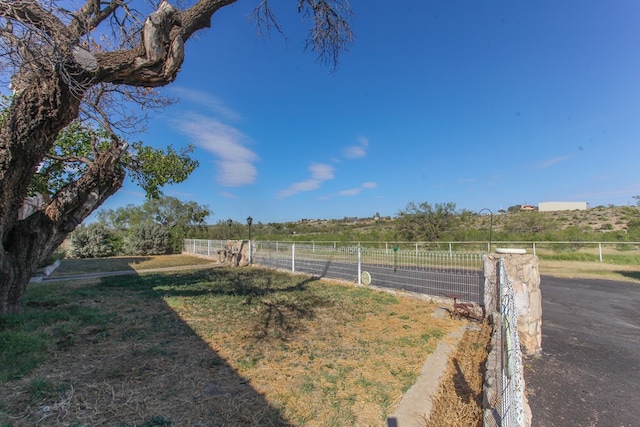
(524, 275)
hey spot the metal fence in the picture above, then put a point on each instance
(207, 248)
(434, 273)
(409, 268)
(605, 251)
(427, 272)
(511, 407)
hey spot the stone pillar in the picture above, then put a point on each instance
(236, 253)
(524, 275)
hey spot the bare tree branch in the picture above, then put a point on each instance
(331, 33)
(264, 19)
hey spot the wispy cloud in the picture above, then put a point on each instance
(181, 193)
(235, 162)
(214, 104)
(228, 195)
(135, 193)
(552, 161)
(358, 190)
(357, 151)
(320, 173)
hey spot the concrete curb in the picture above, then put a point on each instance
(416, 404)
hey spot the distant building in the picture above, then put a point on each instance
(527, 208)
(562, 206)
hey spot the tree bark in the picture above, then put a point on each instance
(46, 99)
(33, 239)
(54, 73)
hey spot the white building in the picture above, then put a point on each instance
(562, 206)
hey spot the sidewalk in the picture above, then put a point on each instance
(416, 404)
(37, 279)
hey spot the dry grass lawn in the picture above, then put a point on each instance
(213, 347)
(459, 398)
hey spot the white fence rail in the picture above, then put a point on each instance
(208, 248)
(409, 268)
(427, 272)
(596, 250)
(414, 269)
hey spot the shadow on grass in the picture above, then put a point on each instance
(140, 363)
(630, 274)
(98, 265)
(279, 306)
(463, 389)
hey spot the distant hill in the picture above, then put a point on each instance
(600, 219)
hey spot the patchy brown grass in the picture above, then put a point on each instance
(458, 401)
(215, 347)
(590, 270)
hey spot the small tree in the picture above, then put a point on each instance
(175, 216)
(426, 222)
(528, 223)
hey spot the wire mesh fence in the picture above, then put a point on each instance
(198, 247)
(511, 408)
(412, 269)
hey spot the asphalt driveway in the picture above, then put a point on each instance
(589, 370)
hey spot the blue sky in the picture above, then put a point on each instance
(483, 104)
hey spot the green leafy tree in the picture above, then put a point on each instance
(175, 216)
(90, 73)
(426, 222)
(76, 151)
(122, 218)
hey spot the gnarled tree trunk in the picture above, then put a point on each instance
(30, 241)
(44, 102)
(54, 69)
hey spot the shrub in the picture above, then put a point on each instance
(147, 239)
(92, 241)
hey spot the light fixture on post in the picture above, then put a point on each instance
(249, 222)
(229, 223)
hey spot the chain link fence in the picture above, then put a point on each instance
(506, 398)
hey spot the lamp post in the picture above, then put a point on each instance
(249, 222)
(229, 223)
(490, 224)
